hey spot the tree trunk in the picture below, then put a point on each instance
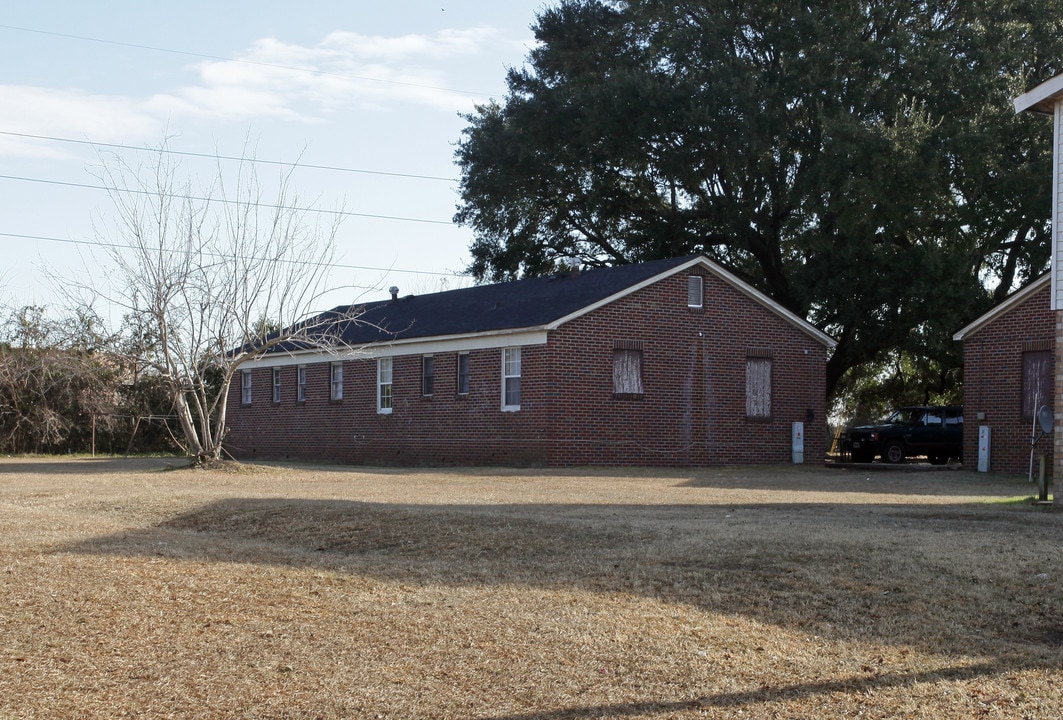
(188, 425)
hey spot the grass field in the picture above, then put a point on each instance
(132, 589)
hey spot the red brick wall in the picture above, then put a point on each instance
(992, 380)
(693, 410)
(444, 429)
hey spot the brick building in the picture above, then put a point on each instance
(1008, 360)
(672, 362)
(1047, 99)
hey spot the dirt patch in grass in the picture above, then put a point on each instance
(139, 590)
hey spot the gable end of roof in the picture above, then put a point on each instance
(1016, 298)
(718, 272)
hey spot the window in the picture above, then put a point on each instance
(758, 385)
(511, 379)
(300, 383)
(627, 369)
(336, 382)
(428, 375)
(1037, 386)
(695, 291)
(383, 385)
(276, 385)
(245, 387)
(463, 373)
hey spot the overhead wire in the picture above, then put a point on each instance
(123, 246)
(215, 156)
(224, 201)
(229, 157)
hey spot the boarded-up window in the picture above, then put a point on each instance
(627, 369)
(695, 291)
(758, 387)
(1036, 381)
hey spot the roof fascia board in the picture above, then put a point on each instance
(1042, 98)
(412, 346)
(623, 293)
(1010, 302)
(756, 295)
(719, 272)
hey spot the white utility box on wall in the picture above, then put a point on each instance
(983, 448)
(798, 439)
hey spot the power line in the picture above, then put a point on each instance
(225, 201)
(245, 62)
(123, 246)
(224, 157)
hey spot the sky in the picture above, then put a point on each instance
(372, 90)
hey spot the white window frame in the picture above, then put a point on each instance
(463, 388)
(336, 381)
(511, 372)
(245, 387)
(385, 399)
(276, 385)
(695, 291)
(428, 375)
(300, 383)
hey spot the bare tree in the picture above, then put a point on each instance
(207, 274)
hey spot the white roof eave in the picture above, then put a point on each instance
(740, 285)
(1007, 304)
(1041, 99)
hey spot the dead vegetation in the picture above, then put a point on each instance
(277, 592)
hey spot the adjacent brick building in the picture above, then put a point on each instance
(1008, 360)
(1047, 99)
(673, 362)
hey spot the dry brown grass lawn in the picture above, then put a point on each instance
(131, 590)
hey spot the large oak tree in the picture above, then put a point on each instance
(861, 162)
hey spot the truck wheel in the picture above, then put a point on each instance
(893, 452)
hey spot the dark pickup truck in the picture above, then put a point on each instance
(934, 431)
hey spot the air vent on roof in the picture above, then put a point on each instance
(394, 290)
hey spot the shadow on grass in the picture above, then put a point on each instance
(931, 480)
(965, 579)
(794, 478)
(744, 700)
(59, 465)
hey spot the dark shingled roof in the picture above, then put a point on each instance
(528, 303)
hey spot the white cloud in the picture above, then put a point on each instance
(345, 69)
(272, 79)
(69, 113)
(444, 44)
